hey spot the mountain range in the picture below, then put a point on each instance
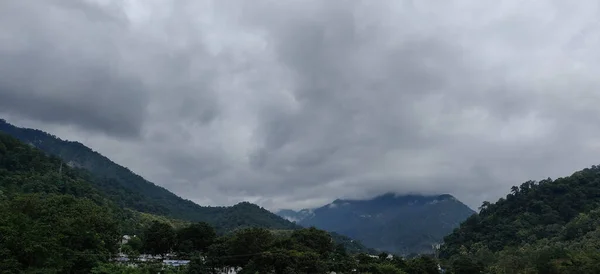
(139, 200)
(131, 191)
(547, 226)
(402, 224)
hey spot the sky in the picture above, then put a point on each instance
(292, 104)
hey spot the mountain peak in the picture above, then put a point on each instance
(404, 223)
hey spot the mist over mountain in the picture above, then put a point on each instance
(402, 224)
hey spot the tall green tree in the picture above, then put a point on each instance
(315, 239)
(195, 238)
(159, 238)
(247, 244)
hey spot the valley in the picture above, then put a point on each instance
(547, 226)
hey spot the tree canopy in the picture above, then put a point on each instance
(548, 226)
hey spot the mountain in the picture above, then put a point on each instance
(129, 190)
(295, 216)
(54, 221)
(51, 219)
(550, 226)
(400, 224)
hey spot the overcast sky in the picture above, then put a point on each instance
(293, 104)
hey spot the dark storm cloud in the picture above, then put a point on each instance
(296, 103)
(59, 64)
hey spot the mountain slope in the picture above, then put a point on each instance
(400, 224)
(52, 220)
(130, 190)
(550, 226)
(25, 170)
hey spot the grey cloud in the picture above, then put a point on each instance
(58, 67)
(296, 103)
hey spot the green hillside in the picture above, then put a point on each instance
(53, 221)
(129, 190)
(550, 226)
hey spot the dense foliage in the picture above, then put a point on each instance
(54, 233)
(550, 226)
(53, 221)
(129, 190)
(402, 224)
(50, 219)
(257, 250)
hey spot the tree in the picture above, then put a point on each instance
(422, 265)
(248, 243)
(485, 205)
(195, 238)
(464, 265)
(158, 239)
(198, 265)
(315, 239)
(135, 243)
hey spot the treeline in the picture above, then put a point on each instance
(545, 227)
(257, 250)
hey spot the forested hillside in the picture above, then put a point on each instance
(129, 190)
(53, 221)
(550, 226)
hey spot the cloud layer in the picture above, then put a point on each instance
(296, 103)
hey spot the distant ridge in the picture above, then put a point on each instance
(403, 224)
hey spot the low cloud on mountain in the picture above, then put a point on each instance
(295, 103)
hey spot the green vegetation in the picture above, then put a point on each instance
(550, 226)
(129, 190)
(257, 250)
(54, 233)
(54, 221)
(351, 246)
(50, 220)
(58, 219)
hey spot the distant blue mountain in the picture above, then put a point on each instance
(402, 224)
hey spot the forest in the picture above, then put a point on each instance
(550, 226)
(54, 221)
(257, 250)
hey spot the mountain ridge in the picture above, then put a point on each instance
(546, 226)
(392, 222)
(130, 190)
